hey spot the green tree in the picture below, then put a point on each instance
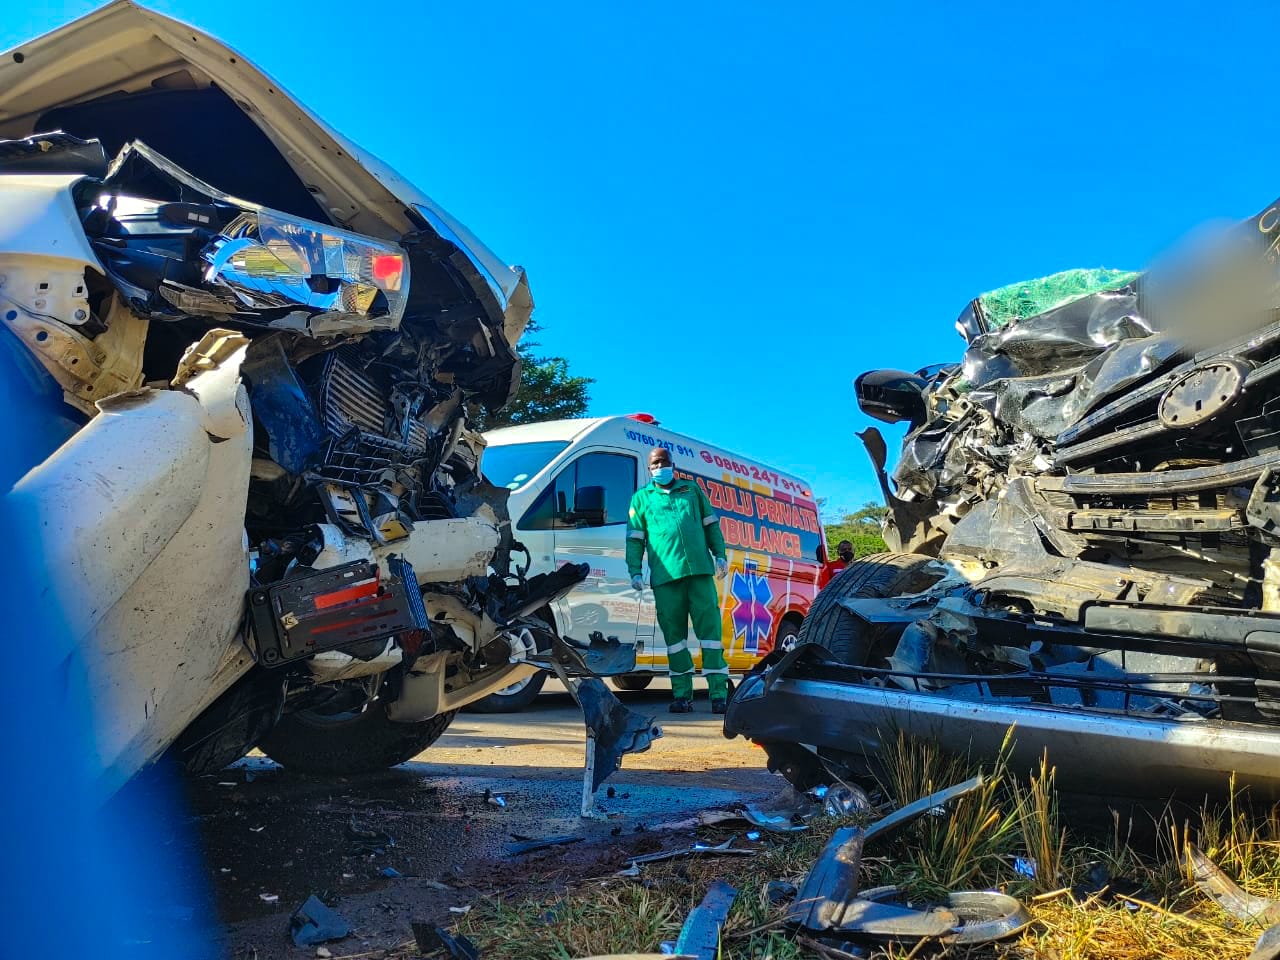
(861, 528)
(547, 390)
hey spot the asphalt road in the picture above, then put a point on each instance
(268, 838)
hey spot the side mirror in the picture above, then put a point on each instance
(588, 506)
(891, 395)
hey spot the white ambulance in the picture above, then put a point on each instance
(571, 482)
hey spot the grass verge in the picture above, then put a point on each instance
(1151, 910)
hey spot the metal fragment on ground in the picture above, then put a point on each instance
(784, 813)
(700, 935)
(545, 843)
(725, 849)
(431, 938)
(829, 902)
(1227, 893)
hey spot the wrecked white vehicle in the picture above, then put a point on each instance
(1086, 519)
(248, 353)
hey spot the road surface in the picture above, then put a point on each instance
(264, 833)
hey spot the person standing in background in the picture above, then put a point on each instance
(673, 521)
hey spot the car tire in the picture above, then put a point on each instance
(632, 682)
(364, 742)
(519, 695)
(786, 638)
(878, 575)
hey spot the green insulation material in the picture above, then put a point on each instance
(1032, 297)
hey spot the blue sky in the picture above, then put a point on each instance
(728, 211)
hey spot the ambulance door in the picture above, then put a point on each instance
(586, 506)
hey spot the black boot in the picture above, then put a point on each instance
(681, 705)
(719, 706)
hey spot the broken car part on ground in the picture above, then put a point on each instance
(251, 352)
(1086, 511)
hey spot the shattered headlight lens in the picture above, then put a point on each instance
(270, 260)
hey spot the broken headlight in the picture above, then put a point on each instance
(270, 260)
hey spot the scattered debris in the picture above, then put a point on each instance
(612, 729)
(316, 922)
(430, 938)
(269, 897)
(531, 846)
(753, 835)
(324, 953)
(1025, 867)
(257, 829)
(843, 800)
(705, 818)
(779, 891)
(829, 903)
(369, 841)
(725, 849)
(784, 813)
(1268, 947)
(1098, 884)
(1227, 894)
(700, 935)
(392, 872)
(461, 911)
(494, 800)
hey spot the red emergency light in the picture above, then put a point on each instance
(643, 418)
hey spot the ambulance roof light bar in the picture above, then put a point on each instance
(643, 418)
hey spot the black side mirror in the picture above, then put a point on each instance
(891, 395)
(588, 506)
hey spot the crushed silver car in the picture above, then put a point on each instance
(1085, 519)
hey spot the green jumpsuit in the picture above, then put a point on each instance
(682, 533)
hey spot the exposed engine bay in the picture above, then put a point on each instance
(379, 562)
(1086, 509)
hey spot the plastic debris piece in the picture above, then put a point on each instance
(495, 800)
(461, 911)
(700, 935)
(257, 829)
(391, 872)
(269, 897)
(531, 846)
(631, 871)
(316, 922)
(431, 938)
(323, 952)
(779, 891)
(1025, 867)
(753, 835)
(784, 813)
(842, 800)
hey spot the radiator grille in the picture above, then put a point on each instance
(352, 400)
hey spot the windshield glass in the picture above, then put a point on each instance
(515, 464)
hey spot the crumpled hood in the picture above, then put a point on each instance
(124, 47)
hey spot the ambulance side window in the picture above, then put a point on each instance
(604, 480)
(593, 491)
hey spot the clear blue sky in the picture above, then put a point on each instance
(728, 211)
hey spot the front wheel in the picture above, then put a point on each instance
(632, 682)
(309, 741)
(523, 692)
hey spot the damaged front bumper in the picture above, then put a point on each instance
(832, 709)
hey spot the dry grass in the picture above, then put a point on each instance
(971, 847)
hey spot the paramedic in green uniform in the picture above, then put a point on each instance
(675, 521)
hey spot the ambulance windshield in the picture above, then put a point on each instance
(515, 464)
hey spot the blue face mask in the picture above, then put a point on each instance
(662, 475)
